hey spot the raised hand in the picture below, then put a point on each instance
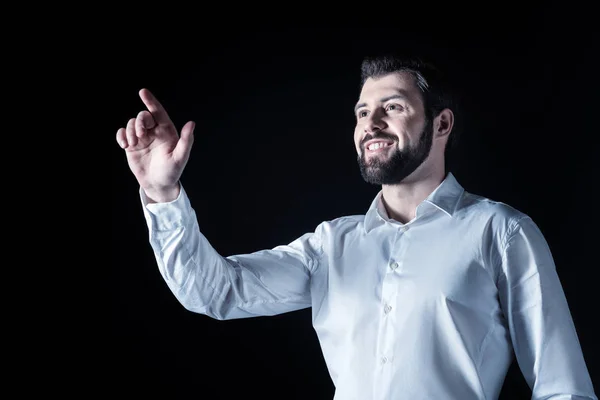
(156, 154)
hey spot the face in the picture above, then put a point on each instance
(390, 115)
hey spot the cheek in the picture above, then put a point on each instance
(415, 126)
(408, 132)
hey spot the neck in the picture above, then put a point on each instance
(401, 200)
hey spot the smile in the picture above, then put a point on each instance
(378, 147)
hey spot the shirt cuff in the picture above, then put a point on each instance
(167, 215)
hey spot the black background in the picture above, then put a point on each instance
(274, 156)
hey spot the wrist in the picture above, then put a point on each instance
(163, 194)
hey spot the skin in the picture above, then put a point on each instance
(403, 122)
(155, 152)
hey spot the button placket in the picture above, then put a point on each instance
(386, 335)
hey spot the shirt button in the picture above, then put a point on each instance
(384, 360)
(387, 308)
(393, 265)
(404, 228)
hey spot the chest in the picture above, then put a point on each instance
(419, 265)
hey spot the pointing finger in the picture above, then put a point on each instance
(158, 112)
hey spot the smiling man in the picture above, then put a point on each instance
(428, 295)
(391, 149)
(397, 142)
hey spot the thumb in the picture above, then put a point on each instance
(184, 145)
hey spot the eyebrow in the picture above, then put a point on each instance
(402, 96)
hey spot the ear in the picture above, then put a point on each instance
(443, 123)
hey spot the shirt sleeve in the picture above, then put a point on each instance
(262, 283)
(543, 334)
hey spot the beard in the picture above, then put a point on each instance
(394, 168)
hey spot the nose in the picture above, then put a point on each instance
(374, 123)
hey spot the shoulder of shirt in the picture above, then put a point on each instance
(341, 225)
(500, 213)
(473, 202)
(344, 220)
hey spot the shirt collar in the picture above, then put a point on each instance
(445, 198)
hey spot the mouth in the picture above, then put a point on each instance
(378, 147)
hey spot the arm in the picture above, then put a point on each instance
(543, 334)
(263, 283)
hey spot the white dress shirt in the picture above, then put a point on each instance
(433, 309)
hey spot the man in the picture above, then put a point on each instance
(426, 296)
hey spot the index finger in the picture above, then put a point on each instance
(156, 109)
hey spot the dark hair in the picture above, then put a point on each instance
(436, 89)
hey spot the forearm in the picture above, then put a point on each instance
(262, 283)
(194, 272)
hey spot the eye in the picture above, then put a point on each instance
(361, 114)
(394, 107)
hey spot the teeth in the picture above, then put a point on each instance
(378, 145)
